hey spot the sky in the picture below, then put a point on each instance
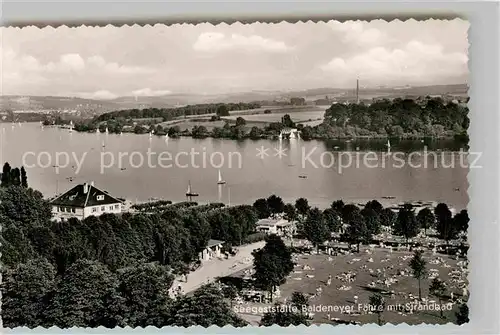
(107, 62)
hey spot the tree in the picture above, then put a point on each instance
(438, 290)
(302, 206)
(287, 121)
(25, 290)
(387, 217)
(357, 231)
(426, 219)
(6, 177)
(230, 292)
(262, 208)
(255, 133)
(144, 289)
(86, 296)
(240, 121)
(372, 220)
(461, 221)
(283, 316)
(272, 264)
(377, 305)
(315, 228)
(337, 206)
(24, 177)
(222, 110)
(418, 267)
(299, 301)
(406, 223)
(206, 307)
(16, 247)
(24, 206)
(275, 204)
(374, 205)
(463, 314)
(332, 220)
(290, 212)
(445, 224)
(348, 212)
(15, 177)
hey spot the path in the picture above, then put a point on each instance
(214, 268)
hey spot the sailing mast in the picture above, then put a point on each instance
(220, 181)
(189, 192)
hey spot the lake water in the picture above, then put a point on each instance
(331, 170)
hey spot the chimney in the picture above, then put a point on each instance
(85, 188)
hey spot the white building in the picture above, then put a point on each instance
(213, 250)
(82, 201)
(274, 226)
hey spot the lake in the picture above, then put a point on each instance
(319, 171)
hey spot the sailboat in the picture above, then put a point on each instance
(189, 192)
(220, 181)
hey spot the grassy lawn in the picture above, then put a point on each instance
(389, 264)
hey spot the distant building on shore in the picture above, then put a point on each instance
(274, 226)
(82, 201)
(212, 250)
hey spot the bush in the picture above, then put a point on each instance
(255, 237)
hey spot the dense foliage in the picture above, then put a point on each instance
(400, 117)
(116, 270)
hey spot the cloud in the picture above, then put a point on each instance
(213, 42)
(415, 62)
(112, 67)
(70, 62)
(147, 92)
(98, 95)
(357, 32)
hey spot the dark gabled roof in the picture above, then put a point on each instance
(77, 198)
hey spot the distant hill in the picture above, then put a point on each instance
(14, 102)
(172, 100)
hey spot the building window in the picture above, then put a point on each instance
(100, 197)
